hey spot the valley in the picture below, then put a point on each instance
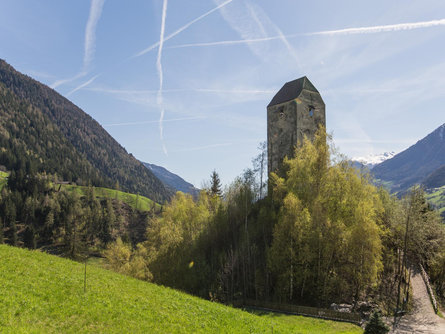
(96, 235)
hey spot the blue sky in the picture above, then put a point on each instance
(208, 69)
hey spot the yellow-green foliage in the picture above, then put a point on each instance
(3, 179)
(40, 293)
(326, 243)
(172, 236)
(135, 201)
(123, 259)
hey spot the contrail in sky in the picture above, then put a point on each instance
(229, 42)
(384, 28)
(90, 32)
(150, 122)
(90, 42)
(159, 98)
(199, 148)
(151, 47)
(348, 31)
(83, 85)
(62, 81)
(180, 90)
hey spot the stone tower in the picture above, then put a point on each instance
(294, 112)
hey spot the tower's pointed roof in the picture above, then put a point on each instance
(291, 90)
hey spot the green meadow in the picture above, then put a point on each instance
(135, 201)
(437, 198)
(41, 293)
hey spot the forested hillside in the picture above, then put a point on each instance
(36, 213)
(172, 180)
(436, 179)
(42, 130)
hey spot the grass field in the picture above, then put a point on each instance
(3, 179)
(139, 202)
(41, 293)
(135, 201)
(437, 198)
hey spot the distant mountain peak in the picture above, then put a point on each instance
(414, 164)
(371, 160)
(441, 131)
(171, 180)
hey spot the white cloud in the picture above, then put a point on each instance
(243, 18)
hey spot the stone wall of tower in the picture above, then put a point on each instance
(289, 122)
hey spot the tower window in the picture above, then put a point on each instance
(311, 111)
(281, 114)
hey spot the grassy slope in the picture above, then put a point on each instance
(142, 203)
(437, 198)
(40, 293)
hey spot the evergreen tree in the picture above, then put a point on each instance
(215, 184)
(376, 324)
(108, 221)
(29, 237)
(10, 215)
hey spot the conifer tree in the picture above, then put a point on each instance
(376, 324)
(29, 237)
(10, 218)
(109, 218)
(215, 187)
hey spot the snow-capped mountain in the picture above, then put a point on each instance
(416, 163)
(371, 160)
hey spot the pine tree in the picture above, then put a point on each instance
(215, 188)
(376, 324)
(108, 220)
(29, 237)
(10, 218)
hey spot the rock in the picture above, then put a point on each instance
(345, 308)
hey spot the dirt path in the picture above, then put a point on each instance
(423, 319)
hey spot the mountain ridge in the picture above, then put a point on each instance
(436, 179)
(414, 164)
(172, 180)
(372, 160)
(104, 162)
